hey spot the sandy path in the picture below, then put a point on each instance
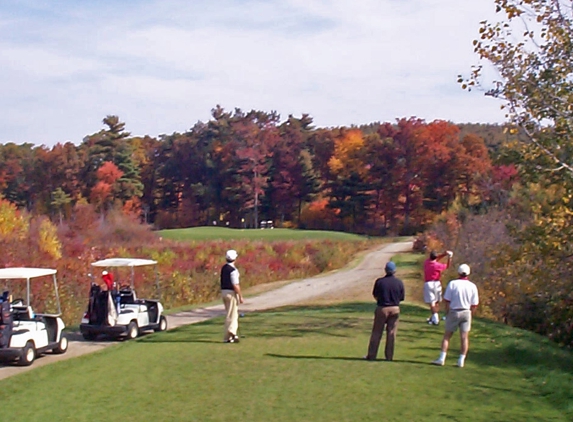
(338, 284)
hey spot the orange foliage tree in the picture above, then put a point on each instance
(347, 187)
(102, 193)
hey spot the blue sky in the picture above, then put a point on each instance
(162, 65)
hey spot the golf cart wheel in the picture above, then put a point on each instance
(132, 330)
(28, 354)
(162, 326)
(88, 336)
(62, 346)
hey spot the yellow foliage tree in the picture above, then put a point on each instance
(48, 241)
(13, 225)
(346, 158)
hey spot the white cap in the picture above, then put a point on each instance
(104, 272)
(231, 255)
(464, 269)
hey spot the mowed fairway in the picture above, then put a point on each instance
(223, 233)
(301, 364)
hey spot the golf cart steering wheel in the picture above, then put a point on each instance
(15, 302)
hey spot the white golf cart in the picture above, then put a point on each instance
(24, 335)
(117, 312)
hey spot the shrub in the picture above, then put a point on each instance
(187, 273)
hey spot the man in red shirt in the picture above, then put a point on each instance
(432, 286)
(108, 280)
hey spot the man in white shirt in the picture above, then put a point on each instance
(461, 299)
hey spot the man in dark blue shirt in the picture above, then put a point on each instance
(388, 292)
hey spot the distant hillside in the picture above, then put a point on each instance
(492, 134)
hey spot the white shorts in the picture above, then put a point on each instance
(432, 292)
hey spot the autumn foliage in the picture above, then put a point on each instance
(188, 272)
(240, 168)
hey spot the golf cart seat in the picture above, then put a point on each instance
(127, 296)
(22, 313)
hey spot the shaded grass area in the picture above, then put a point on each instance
(224, 233)
(302, 364)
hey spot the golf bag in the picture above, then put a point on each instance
(5, 324)
(101, 309)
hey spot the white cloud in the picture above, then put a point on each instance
(161, 65)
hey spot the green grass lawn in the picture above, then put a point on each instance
(302, 364)
(223, 233)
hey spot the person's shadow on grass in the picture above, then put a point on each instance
(348, 358)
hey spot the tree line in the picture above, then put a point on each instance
(241, 168)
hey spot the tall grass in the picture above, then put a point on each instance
(188, 271)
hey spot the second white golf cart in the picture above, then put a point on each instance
(116, 311)
(24, 334)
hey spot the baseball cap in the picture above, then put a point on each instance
(231, 255)
(390, 267)
(464, 269)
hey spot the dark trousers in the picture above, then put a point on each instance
(384, 316)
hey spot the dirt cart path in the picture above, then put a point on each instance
(309, 289)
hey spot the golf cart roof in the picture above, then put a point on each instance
(24, 273)
(123, 262)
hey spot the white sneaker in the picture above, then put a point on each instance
(460, 364)
(438, 362)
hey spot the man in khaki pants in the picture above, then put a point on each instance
(231, 295)
(388, 292)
